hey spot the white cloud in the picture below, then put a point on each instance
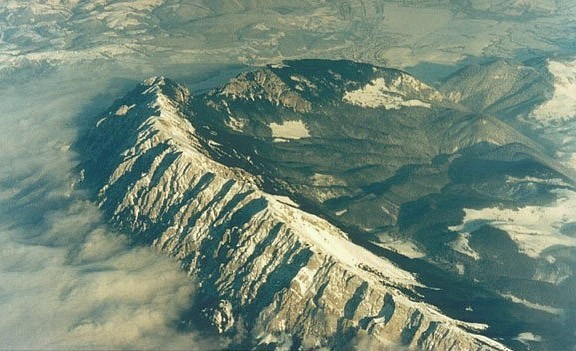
(51, 299)
(363, 341)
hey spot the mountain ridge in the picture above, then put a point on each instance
(246, 197)
(219, 179)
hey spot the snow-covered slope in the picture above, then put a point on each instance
(393, 95)
(265, 266)
(534, 228)
(562, 104)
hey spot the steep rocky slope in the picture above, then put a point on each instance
(306, 196)
(265, 265)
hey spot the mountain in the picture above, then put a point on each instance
(536, 95)
(332, 203)
(501, 87)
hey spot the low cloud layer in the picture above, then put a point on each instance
(94, 293)
(66, 280)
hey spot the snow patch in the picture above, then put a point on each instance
(279, 65)
(341, 212)
(528, 337)
(403, 247)
(124, 109)
(100, 121)
(289, 130)
(236, 124)
(461, 245)
(319, 179)
(378, 93)
(213, 143)
(552, 181)
(532, 305)
(283, 199)
(303, 80)
(562, 105)
(533, 228)
(262, 27)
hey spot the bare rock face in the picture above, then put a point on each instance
(265, 265)
(264, 84)
(221, 316)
